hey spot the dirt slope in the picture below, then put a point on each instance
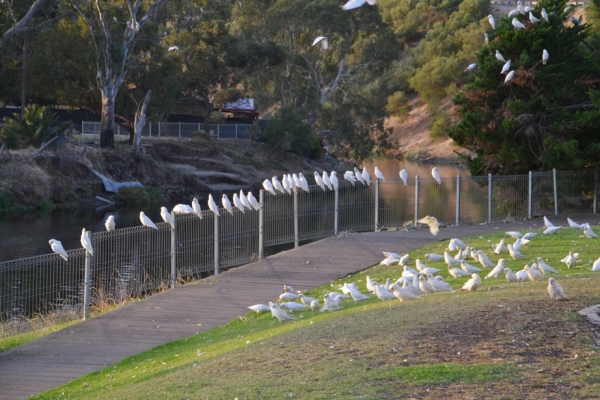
(410, 138)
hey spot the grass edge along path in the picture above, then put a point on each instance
(171, 365)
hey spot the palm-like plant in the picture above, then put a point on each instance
(33, 128)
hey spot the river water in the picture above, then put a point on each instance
(27, 234)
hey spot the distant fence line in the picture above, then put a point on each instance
(131, 261)
(532, 3)
(173, 129)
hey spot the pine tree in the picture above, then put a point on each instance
(548, 115)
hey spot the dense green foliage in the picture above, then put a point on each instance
(547, 116)
(287, 131)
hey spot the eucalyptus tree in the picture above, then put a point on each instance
(314, 78)
(115, 47)
(14, 18)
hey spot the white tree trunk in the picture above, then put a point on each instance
(109, 95)
(140, 121)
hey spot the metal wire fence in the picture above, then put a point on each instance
(133, 261)
(173, 129)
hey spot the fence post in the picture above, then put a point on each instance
(218, 133)
(261, 225)
(595, 189)
(555, 191)
(489, 198)
(150, 129)
(416, 199)
(216, 244)
(376, 204)
(159, 129)
(458, 199)
(88, 281)
(296, 236)
(530, 196)
(180, 129)
(336, 212)
(82, 122)
(236, 127)
(173, 252)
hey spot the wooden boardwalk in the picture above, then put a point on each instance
(94, 344)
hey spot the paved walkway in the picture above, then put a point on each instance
(92, 345)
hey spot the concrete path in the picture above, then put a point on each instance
(94, 344)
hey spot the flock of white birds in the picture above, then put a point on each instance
(414, 283)
(517, 13)
(288, 184)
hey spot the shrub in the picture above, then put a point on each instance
(134, 195)
(44, 205)
(4, 205)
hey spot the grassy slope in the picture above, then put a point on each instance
(503, 341)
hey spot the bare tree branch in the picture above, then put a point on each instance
(19, 26)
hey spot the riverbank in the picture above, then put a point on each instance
(170, 169)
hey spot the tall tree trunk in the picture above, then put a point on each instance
(107, 133)
(140, 121)
(24, 76)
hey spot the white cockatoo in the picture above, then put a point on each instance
(213, 206)
(226, 203)
(533, 273)
(323, 40)
(278, 313)
(259, 308)
(404, 176)
(166, 216)
(238, 203)
(110, 223)
(359, 176)
(319, 181)
(269, 187)
(468, 267)
(472, 284)
(506, 67)
(303, 182)
(366, 176)
(244, 200)
(533, 19)
(86, 243)
(497, 271)
(147, 221)
(510, 276)
(492, 21)
(545, 15)
(326, 180)
(545, 56)
(517, 24)
(509, 77)
(555, 290)
(379, 175)
(196, 207)
(436, 175)
(545, 268)
(58, 248)
(334, 180)
(471, 67)
(277, 185)
(434, 225)
(351, 4)
(499, 56)
(571, 259)
(183, 209)
(349, 176)
(253, 202)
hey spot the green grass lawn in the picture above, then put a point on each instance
(502, 341)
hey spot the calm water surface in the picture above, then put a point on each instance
(27, 234)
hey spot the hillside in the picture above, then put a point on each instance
(411, 138)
